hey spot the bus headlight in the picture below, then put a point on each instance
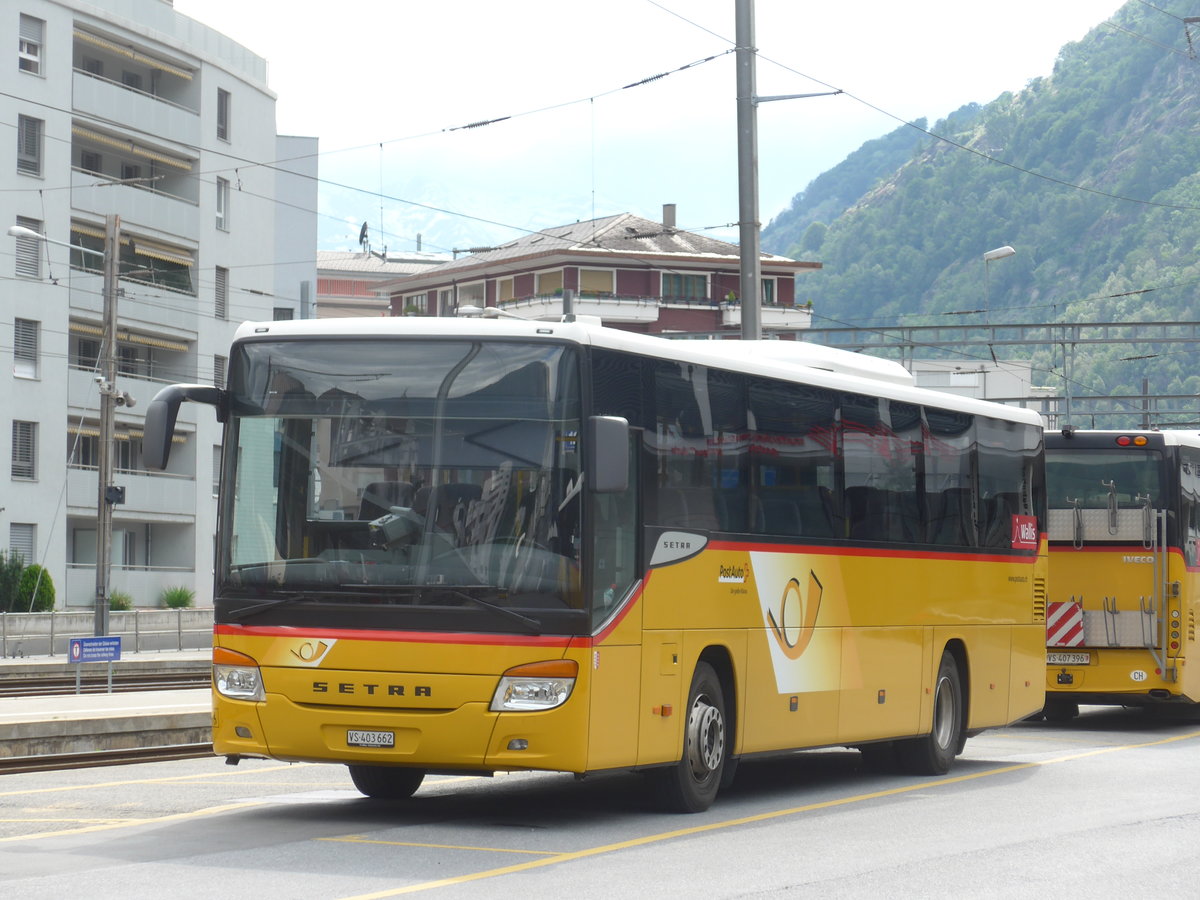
(236, 675)
(535, 686)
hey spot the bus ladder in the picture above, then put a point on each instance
(1156, 542)
(1153, 621)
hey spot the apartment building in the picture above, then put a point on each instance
(130, 109)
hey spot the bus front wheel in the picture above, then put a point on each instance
(386, 782)
(934, 753)
(691, 784)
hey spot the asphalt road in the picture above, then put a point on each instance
(1105, 806)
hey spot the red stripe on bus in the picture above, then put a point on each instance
(404, 637)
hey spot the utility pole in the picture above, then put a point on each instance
(108, 375)
(747, 127)
(749, 228)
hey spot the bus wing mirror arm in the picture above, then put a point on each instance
(162, 413)
(608, 454)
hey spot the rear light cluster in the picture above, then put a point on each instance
(1132, 440)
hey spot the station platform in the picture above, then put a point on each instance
(95, 722)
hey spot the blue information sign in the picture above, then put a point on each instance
(95, 649)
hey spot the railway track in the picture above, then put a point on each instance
(122, 757)
(56, 685)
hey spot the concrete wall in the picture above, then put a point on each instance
(141, 631)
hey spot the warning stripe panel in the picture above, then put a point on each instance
(1064, 624)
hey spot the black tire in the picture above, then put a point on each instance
(1059, 711)
(386, 782)
(933, 753)
(691, 784)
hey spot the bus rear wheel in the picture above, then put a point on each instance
(934, 753)
(386, 782)
(691, 784)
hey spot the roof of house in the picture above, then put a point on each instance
(362, 263)
(619, 234)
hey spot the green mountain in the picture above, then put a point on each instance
(1092, 173)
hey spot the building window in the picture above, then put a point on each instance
(223, 114)
(22, 542)
(221, 302)
(768, 291)
(85, 353)
(92, 66)
(504, 290)
(471, 294)
(91, 161)
(83, 450)
(24, 450)
(549, 283)
(130, 172)
(131, 80)
(596, 282)
(25, 348)
(223, 204)
(29, 145)
(29, 54)
(684, 287)
(127, 454)
(220, 364)
(28, 258)
(283, 314)
(415, 304)
(133, 360)
(216, 469)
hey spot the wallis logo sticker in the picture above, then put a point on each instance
(1024, 533)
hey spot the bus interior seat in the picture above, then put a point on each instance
(950, 518)
(997, 527)
(781, 516)
(379, 497)
(445, 500)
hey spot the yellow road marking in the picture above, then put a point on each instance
(355, 839)
(75, 819)
(174, 779)
(130, 823)
(748, 820)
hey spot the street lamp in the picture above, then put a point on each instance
(107, 493)
(991, 256)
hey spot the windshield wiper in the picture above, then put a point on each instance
(534, 626)
(246, 611)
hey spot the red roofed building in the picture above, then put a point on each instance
(632, 273)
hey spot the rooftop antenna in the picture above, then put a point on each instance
(365, 243)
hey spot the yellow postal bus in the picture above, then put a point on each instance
(472, 545)
(1124, 522)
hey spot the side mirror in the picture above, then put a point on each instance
(161, 416)
(607, 454)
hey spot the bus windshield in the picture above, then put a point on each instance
(439, 477)
(1098, 479)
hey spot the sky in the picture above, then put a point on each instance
(387, 84)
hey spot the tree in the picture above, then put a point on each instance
(35, 592)
(10, 577)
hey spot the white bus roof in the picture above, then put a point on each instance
(813, 364)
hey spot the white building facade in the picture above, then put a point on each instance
(133, 110)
